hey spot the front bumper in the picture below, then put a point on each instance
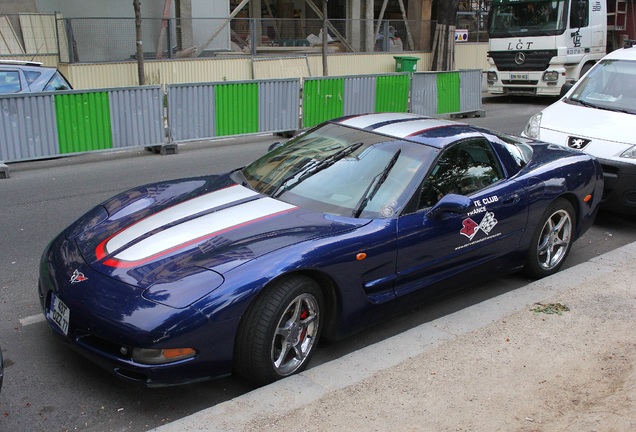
(619, 193)
(508, 83)
(105, 324)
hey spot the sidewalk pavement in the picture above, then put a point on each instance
(506, 364)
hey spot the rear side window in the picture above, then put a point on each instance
(10, 82)
(31, 76)
(57, 83)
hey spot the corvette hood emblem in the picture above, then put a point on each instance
(78, 277)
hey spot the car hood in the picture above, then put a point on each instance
(150, 234)
(588, 123)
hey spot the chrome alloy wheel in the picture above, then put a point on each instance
(554, 240)
(295, 334)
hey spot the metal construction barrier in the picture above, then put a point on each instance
(42, 125)
(209, 110)
(327, 98)
(455, 92)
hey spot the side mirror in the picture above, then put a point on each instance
(450, 203)
(566, 88)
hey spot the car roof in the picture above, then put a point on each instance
(20, 62)
(622, 54)
(412, 127)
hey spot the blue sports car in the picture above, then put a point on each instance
(338, 228)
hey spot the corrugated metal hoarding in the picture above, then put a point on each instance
(191, 111)
(137, 116)
(359, 97)
(452, 92)
(470, 90)
(28, 128)
(203, 111)
(323, 99)
(49, 124)
(236, 108)
(327, 98)
(392, 93)
(83, 121)
(42, 125)
(279, 105)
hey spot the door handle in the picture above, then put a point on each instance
(511, 199)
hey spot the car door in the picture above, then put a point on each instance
(481, 236)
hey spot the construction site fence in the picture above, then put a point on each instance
(44, 125)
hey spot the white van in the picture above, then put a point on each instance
(598, 115)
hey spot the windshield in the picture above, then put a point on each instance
(527, 18)
(610, 85)
(343, 171)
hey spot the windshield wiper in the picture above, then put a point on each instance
(601, 107)
(381, 178)
(584, 103)
(315, 167)
(279, 188)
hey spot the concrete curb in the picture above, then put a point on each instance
(292, 393)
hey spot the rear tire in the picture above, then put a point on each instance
(552, 240)
(279, 333)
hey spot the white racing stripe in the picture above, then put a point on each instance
(404, 129)
(179, 211)
(397, 125)
(201, 227)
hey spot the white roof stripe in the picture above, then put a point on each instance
(203, 226)
(400, 125)
(404, 129)
(179, 211)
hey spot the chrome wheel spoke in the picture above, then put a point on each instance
(555, 240)
(294, 337)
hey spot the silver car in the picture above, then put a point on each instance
(29, 77)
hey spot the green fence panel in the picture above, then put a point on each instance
(323, 99)
(236, 108)
(83, 122)
(392, 93)
(448, 94)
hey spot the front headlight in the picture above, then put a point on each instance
(550, 76)
(629, 153)
(533, 128)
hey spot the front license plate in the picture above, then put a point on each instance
(60, 314)
(519, 77)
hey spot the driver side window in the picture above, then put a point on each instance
(462, 169)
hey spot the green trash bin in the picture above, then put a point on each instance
(405, 64)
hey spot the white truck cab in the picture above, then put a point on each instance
(536, 46)
(598, 115)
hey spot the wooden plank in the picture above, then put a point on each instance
(164, 27)
(9, 42)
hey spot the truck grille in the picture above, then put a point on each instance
(534, 60)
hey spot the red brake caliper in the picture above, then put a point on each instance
(303, 315)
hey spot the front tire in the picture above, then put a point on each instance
(552, 240)
(279, 333)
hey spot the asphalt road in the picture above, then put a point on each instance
(48, 387)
